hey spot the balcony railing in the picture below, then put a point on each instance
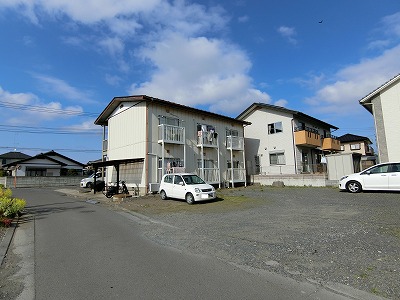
(207, 139)
(211, 175)
(234, 143)
(331, 143)
(239, 175)
(308, 137)
(171, 134)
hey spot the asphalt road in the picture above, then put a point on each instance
(67, 248)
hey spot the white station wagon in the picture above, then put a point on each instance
(187, 187)
(383, 177)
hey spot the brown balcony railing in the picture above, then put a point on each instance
(308, 137)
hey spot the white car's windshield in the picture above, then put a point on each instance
(192, 179)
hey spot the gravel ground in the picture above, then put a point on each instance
(316, 234)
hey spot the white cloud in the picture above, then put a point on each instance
(288, 33)
(59, 87)
(27, 108)
(199, 71)
(352, 83)
(86, 12)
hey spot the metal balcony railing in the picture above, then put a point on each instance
(234, 143)
(171, 134)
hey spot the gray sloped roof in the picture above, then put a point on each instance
(14, 155)
(347, 138)
(296, 113)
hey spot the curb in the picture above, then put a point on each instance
(6, 241)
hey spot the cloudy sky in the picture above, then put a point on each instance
(63, 61)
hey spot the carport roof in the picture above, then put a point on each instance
(116, 162)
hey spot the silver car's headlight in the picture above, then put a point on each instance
(344, 177)
(197, 190)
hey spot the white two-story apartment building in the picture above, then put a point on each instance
(165, 137)
(284, 141)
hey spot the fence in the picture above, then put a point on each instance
(40, 181)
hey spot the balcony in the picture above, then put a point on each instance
(330, 143)
(171, 134)
(211, 175)
(207, 139)
(307, 137)
(239, 175)
(234, 143)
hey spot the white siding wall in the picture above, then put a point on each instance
(259, 142)
(390, 100)
(189, 121)
(127, 134)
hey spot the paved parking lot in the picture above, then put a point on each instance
(317, 234)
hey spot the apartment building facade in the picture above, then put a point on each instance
(167, 137)
(284, 141)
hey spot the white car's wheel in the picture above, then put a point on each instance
(163, 195)
(353, 187)
(189, 198)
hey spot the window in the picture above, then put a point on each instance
(355, 146)
(257, 164)
(379, 169)
(277, 158)
(178, 179)
(274, 127)
(168, 121)
(235, 164)
(168, 179)
(208, 163)
(232, 132)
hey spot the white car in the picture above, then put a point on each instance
(385, 177)
(187, 187)
(89, 181)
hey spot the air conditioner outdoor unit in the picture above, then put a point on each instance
(153, 187)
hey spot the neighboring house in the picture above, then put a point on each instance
(45, 164)
(155, 137)
(350, 143)
(284, 141)
(384, 104)
(10, 157)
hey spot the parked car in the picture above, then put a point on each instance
(385, 177)
(89, 181)
(187, 187)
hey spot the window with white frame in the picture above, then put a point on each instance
(168, 121)
(355, 146)
(277, 158)
(275, 127)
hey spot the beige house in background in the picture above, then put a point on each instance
(285, 141)
(350, 143)
(384, 104)
(166, 137)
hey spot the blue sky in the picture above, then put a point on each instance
(63, 61)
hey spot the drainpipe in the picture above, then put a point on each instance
(294, 148)
(146, 162)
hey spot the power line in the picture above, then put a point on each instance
(47, 149)
(44, 109)
(49, 130)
